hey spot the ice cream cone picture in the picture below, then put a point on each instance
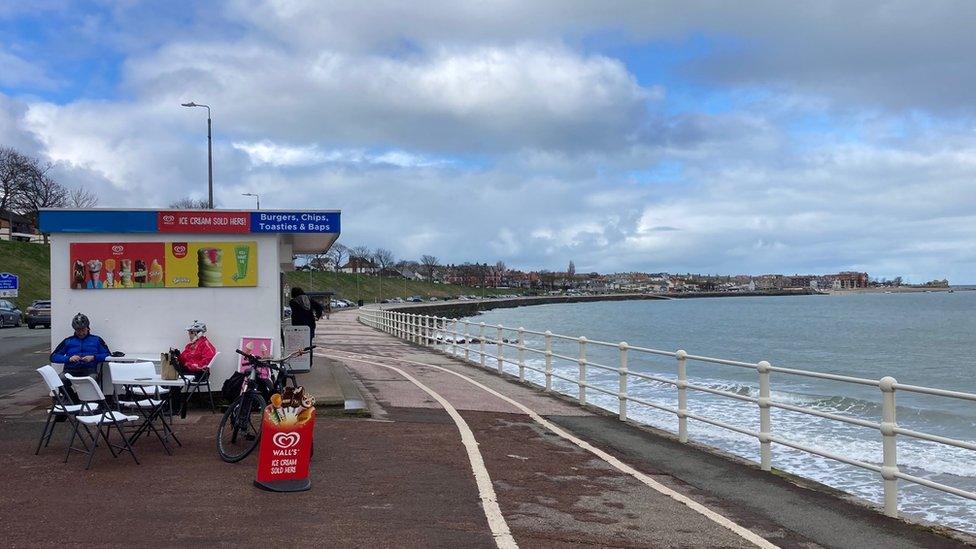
(94, 274)
(140, 273)
(78, 275)
(210, 267)
(127, 273)
(109, 265)
(155, 274)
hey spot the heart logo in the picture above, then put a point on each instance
(179, 250)
(286, 440)
(117, 249)
(169, 218)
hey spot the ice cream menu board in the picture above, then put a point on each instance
(118, 265)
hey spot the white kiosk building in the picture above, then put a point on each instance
(141, 276)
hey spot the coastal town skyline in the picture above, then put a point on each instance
(638, 137)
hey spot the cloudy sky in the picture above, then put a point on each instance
(681, 136)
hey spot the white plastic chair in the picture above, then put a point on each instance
(60, 405)
(96, 413)
(193, 386)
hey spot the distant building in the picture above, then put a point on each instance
(359, 265)
(14, 226)
(850, 280)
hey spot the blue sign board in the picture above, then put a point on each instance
(294, 222)
(9, 281)
(9, 285)
(156, 221)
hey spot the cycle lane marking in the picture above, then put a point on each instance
(714, 516)
(486, 492)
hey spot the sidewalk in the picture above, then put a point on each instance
(550, 490)
(403, 478)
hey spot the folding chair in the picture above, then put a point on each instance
(60, 405)
(133, 399)
(193, 386)
(96, 413)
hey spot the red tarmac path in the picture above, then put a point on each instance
(399, 479)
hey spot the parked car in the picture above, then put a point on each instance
(415, 299)
(39, 313)
(9, 314)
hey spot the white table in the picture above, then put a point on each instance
(157, 410)
(135, 357)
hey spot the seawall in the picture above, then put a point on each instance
(459, 308)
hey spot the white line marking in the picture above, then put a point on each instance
(715, 517)
(489, 501)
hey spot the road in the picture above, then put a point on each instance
(21, 352)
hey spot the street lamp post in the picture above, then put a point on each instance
(255, 195)
(209, 153)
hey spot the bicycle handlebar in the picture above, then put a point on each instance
(272, 361)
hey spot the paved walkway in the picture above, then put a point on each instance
(552, 492)
(406, 477)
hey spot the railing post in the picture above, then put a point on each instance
(481, 342)
(467, 342)
(622, 393)
(765, 420)
(521, 353)
(682, 385)
(548, 360)
(454, 337)
(889, 446)
(582, 370)
(500, 350)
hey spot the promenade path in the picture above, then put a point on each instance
(551, 492)
(445, 463)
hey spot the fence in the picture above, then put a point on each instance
(464, 338)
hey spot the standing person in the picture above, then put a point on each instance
(80, 353)
(304, 311)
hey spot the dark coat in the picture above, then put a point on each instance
(305, 311)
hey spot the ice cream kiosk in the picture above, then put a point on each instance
(142, 276)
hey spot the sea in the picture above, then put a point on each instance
(918, 338)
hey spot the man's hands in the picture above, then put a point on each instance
(88, 358)
(74, 358)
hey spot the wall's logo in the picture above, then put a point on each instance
(118, 249)
(169, 219)
(286, 440)
(179, 250)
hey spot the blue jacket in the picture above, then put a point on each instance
(81, 346)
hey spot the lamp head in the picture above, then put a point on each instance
(190, 104)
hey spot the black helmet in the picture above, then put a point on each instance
(79, 321)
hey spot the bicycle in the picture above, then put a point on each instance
(240, 427)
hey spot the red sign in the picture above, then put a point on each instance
(96, 266)
(184, 221)
(286, 449)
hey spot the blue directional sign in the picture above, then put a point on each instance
(9, 285)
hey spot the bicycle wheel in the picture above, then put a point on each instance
(240, 428)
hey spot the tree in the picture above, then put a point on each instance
(383, 258)
(38, 191)
(571, 270)
(359, 252)
(430, 263)
(336, 254)
(188, 203)
(80, 197)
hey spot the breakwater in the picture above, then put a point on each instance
(463, 308)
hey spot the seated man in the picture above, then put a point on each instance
(196, 356)
(80, 353)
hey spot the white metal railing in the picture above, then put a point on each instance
(460, 340)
